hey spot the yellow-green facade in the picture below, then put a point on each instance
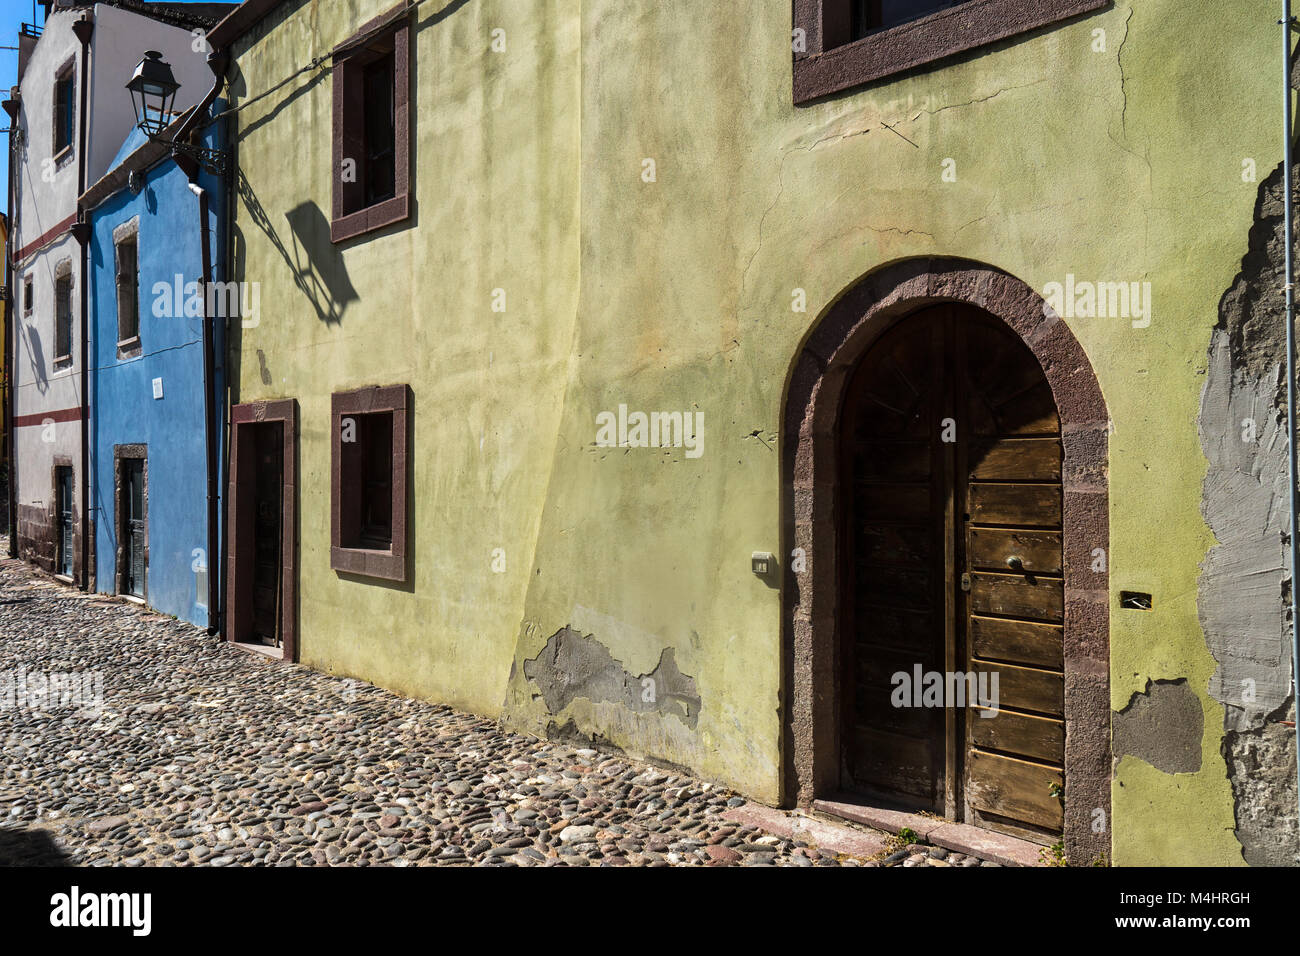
(621, 204)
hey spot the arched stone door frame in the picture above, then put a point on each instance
(809, 507)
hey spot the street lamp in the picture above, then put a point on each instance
(153, 91)
(153, 95)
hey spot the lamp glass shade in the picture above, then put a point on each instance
(153, 93)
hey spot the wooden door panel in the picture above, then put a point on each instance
(907, 545)
(891, 460)
(895, 628)
(1015, 459)
(908, 588)
(1039, 551)
(917, 514)
(896, 763)
(1018, 789)
(1019, 505)
(1018, 642)
(1038, 738)
(1013, 595)
(892, 503)
(1026, 688)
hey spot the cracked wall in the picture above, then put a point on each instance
(1244, 586)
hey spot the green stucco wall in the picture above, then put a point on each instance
(1115, 165)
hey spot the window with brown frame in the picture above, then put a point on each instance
(368, 481)
(63, 110)
(371, 135)
(128, 297)
(29, 295)
(63, 314)
(840, 44)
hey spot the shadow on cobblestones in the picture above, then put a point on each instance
(30, 848)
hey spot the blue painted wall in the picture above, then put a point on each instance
(123, 408)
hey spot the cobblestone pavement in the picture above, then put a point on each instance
(206, 754)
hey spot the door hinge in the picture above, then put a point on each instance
(965, 581)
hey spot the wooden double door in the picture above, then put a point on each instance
(952, 585)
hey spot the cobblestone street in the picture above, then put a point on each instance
(204, 753)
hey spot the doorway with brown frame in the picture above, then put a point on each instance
(261, 572)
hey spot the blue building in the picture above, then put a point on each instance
(149, 454)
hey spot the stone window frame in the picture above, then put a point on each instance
(67, 72)
(349, 220)
(63, 270)
(390, 564)
(832, 63)
(809, 504)
(131, 452)
(131, 346)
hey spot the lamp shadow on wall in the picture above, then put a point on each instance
(316, 265)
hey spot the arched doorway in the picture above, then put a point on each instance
(951, 588)
(1034, 482)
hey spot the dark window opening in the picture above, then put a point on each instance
(371, 127)
(128, 299)
(380, 131)
(872, 15)
(63, 111)
(63, 317)
(367, 478)
(29, 295)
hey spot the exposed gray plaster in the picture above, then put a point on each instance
(1245, 504)
(1244, 588)
(1163, 726)
(574, 665)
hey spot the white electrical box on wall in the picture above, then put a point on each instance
(157, 388)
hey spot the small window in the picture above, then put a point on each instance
(63, 110)
(371, 127)
(869, 15)
(63, 316)
(368, 482)
(128, 299)
(849, 43)
(380, 172)
(29, 295)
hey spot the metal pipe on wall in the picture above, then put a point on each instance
(83, 29)
(1288, 238)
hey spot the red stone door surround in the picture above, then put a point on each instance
(811, 761)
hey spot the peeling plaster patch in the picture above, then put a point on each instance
(573, 665)
(1241, 604)
(1244, 588)
(1261, 766)
(1163, 725)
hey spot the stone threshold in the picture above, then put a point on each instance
(957, 837)
(265, 650)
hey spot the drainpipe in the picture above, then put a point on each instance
(1289, 287)
(11, 107)
(83, 29)
(218, 62)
